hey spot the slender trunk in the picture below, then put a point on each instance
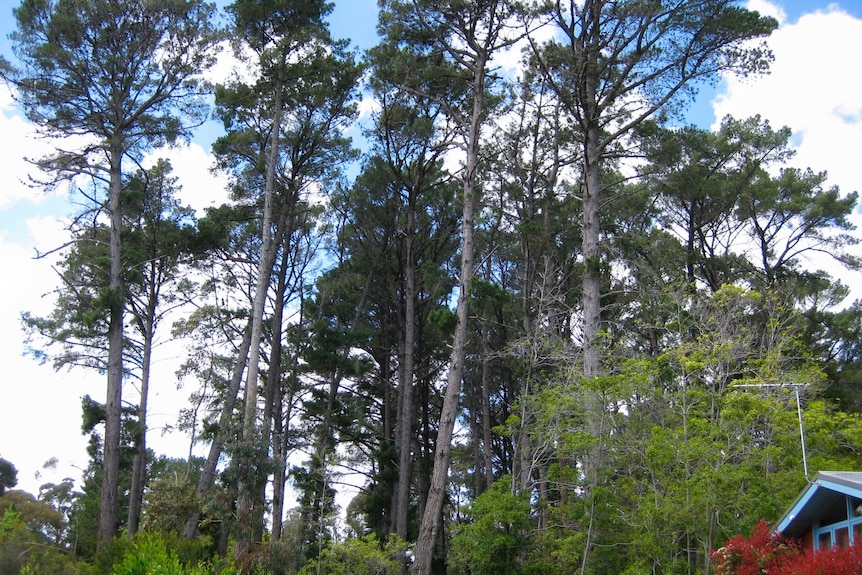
(523, 448)
(208, 473)
(404, 432)
(690, 256)
(272, 409)
(521, 465)
(543, 522)
(147, 327)
(592, 278)
(280, 449)
(284, 231)
(250, 437)
(273, 384)
(429, 527)
(425, 447)
(139, 468)
(136, 491)
(473, 398)
(592, 310)
(592, 258)
(108, 502)
(486, 404)
(280, 444)
(596, 463)
(437, 489)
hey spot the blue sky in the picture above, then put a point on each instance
(815, 88)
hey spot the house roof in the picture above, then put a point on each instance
(822, 493)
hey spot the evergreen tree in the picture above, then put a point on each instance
(615, 65)
(125, 77)
(447, 48)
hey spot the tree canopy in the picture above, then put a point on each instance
(530, 322)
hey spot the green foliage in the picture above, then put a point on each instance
(374, 502)
(169, 501)
(14, 541)
(832, 437)
(710, 182)
(38, 516)
(677, 437)
(366, 555)
(62, 39)
(496, 537)
(8, 475)
(85, 505)
(29, 537)
(271, 557)
(317, 504)
(639, 468)
(152, 554)
(10, 521)
(73, 334)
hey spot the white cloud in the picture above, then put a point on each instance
(367, 107)
(228, 67)
(19, 141)
(812, 90)
(40, 409)
(192, 166)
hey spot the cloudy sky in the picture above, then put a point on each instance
(814, 88)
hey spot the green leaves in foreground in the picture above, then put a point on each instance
(150, 554)
(495, 540)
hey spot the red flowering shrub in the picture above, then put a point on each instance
(836, 561)
(762, 553)
(765, 553)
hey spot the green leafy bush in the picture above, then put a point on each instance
(25, 550)
(362, 555)
(150, 554)
(495, 541)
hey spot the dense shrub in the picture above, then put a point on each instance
(25, 548)
(356, 555)
(759, 554)
(767, 553)
(495, 540)
(837, 561)
(150, 554)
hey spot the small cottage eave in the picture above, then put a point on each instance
(829, 508)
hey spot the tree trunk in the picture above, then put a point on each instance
(428, 528)
(264, 269)
(139, 468)
(404, 432)
(108, 511)
(208, 472)
(486, 405)
(272, 415)
(147, 327)
(273, 383)
(280, 449)
(425, 448)
(590, 245)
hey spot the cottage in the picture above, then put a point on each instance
(827, 513)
